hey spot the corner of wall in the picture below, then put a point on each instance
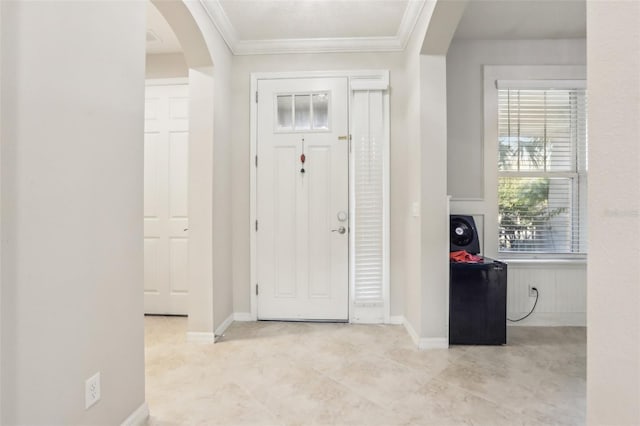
(434, 199)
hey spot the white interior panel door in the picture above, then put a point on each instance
(166, 221)
(302, 199)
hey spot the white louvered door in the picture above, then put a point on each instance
(166, 221)
(302, 237)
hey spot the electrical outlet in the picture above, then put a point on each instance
(92, 390)
(533, 292)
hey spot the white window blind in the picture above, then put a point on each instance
(368, 152)
(542, 170)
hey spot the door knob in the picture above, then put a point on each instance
(340, 230)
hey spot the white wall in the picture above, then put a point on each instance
(411, 172)
(166, 65)
(222, 183)
(431, 122)
(613, 333)
(242, 69)
(465, 60)
(435, 235)
(200, 192)
(469, 181)
(72, 153)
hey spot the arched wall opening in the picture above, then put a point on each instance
(201, 324)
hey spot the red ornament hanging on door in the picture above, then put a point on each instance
(303, 157)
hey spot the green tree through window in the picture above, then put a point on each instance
(541, 170)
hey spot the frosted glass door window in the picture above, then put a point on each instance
(302, 112)
(285, 112)
(321, 111)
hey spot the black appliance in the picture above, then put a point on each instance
(463, 234)
(477, 291)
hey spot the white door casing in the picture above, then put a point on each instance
(302, 258)
(166, 222)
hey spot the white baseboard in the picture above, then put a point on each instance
(207, 337)
(412, 333)
(138, 417)
(550, 319)
(225, 324)
(434, 343)
(243, 316)
(396, 320)
(425, 342)
(200, 337)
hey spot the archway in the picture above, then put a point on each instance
(201, 167)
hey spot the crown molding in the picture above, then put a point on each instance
(409, 21)
(221, 22)
(317, 45)
(395, 43)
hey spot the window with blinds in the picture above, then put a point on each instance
(369, 156)
(542, 170)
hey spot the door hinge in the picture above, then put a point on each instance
(256, 161)
(256, 289)
(256, 96)
(256, 225)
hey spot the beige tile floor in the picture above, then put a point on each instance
(275, 373)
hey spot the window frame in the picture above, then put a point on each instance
(294, 129)
(574, 177)
(541, 75)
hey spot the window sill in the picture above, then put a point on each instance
(578, 261)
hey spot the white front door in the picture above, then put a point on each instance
(302, 199)
(166, 221)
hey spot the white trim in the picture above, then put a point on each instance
(166, 81)
(550, 319)
(317, 45)
(370, 74)
(242, 316)
(253, 152)
(396, 320)
(221, 21)
(200, 337)
(540, 84)
(412, 333)
(465, 199)
(426, 342)
(396, 43)
(223, 327)
(409, 21)
(364, 78)
(369, 80)
(537, 263)
(138, 417)
(434, 343)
